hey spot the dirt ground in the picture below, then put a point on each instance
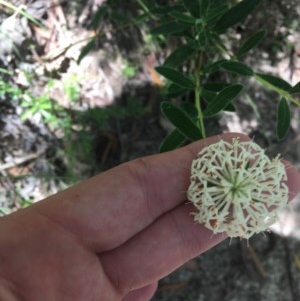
(35, 160)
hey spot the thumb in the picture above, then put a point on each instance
(142, 294)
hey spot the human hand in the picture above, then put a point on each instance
(110, 238)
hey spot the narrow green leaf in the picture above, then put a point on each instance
(200, 42)
(141, 19)
(169, 28)
(163, 10)
(251, 43)
(193, 6)
(273, 81)
(120, 18)
(85, 50)
(183, 18)
(180, 120)
(145, 7)
(238, 68)
(295, 89)
(179, 56)
(230, 108)
(191, 42)
(172, 141)
(174, 91)
(211, 68)
(236, 14)
(204, 7)
(216, 86)
(189, 109)
(283, 119)
(2, 70)
(214, 13)
(97, 18)
(222, 100)
(176, 77)
(208, 95)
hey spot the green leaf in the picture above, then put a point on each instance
(141, 19)
(208, 95)
(189, 109)
(222, 100)
(273, 81)
(120, 18)
(295, 89)
(176, 77)
(230, 108)
(202, 40)
(179, 56)
(236, 14)
(174, 91)
(172, 141)
(216, 86)
(2, 70)
(238, 68)
(183, 18)
(204, 6)
(215, 12)
(180, 120)
(211, 68)
(85, 50)
(251, 43)
(193, 6)
(199, 42)
(283, 119)
(191, 41)
(163, 10)
(97, 18)
(169, 28)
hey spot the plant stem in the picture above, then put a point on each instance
(198, 94)
(281, 92)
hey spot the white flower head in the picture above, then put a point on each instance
(237, 188)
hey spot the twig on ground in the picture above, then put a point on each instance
(19, 161)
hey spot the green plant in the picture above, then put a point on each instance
(71, 88)
(43, 107)
(202, 27)
(7, 89)
(128, 70)
(235, 188)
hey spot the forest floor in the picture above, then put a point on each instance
(62, 122)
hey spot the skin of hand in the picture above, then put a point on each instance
(111, 237)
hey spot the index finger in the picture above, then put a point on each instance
(108, 209)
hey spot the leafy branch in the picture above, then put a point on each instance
(200, 27)
(201, 24)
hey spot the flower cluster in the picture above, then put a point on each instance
(237, 188)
